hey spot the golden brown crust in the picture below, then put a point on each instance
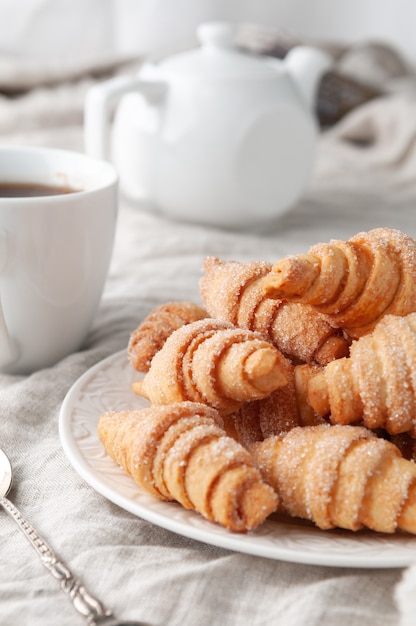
(376, 385)
(353, 283)
(151, 334)
(233, 292)
(303, 375)
(272, 415)
(213, 362)
(181, 452)
(243, 425)
(340, 476)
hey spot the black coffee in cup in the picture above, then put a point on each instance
(26, 190)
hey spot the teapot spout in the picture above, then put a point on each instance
(306, 66)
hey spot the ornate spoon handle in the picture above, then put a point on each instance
(88, 606)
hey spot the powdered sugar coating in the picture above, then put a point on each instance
(340, 476)
(377, 383)
(181, 452)
(214, 362)
(233, 292)
(150, 335)
(354, 283)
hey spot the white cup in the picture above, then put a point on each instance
(55, 253)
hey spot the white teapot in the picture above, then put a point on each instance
(213, 135)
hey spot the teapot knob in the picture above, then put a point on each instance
(217, 34)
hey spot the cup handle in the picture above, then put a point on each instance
(8, 348)
(101, 99)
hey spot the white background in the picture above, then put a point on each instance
(52, 29)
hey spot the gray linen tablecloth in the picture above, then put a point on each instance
(365, 177)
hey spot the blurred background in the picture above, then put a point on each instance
(46, 43)
(86, 29)
(53, 51)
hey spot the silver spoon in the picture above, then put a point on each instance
(85, 603)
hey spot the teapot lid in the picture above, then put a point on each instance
(218, 57)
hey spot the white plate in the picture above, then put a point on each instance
(105, 387)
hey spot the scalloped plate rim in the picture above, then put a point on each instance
(271, 540)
